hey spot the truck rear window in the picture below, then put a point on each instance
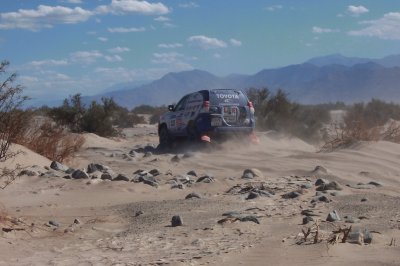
(227, 97)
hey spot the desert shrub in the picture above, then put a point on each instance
(277, 112)
(11, 118)
(50, 140)
(144, 109)
(372, 121)
(97, 120)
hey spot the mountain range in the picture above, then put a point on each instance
(319, 80)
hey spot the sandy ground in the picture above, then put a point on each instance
(103, 222)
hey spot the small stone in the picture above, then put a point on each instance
(192, 173)
(321, 181)
(176, 221)
(175, 159)
(79, 174)
(320, 169)
(249, 218)
(138, 213)
(206, 179)
(252, 173)
(252, 195)
(53, 223)
(93, 167)
(323, 199)
(121, 177)
(375, 184)
(307, 219)
(154, 172)
(291, 195)
(193, 195)
(76, 221)
(58, 166)
(233, 214)
(364, 199)
(333, 216)
(333, 185)
(306, 186)
(106, 176)
(67, 177)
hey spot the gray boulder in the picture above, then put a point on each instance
(79, 174)
(252, 173)
(58, 166)
(333, 216)
(176, 221)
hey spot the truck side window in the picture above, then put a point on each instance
(181, 104)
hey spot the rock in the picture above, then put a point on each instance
(175, 159)
(154, 172)
(106, 176)
(306, 186)
(176, 221)
(324, 199)
(231, 214)
(252, 173)
(76, 221)
(53, 223)
(79, 174)
(93, 167)
(333, 185)
(148, 179)
(67, 177)
(70, 170)
(138, 213)
(192, 173)
(308, 213)
(139, 171)
(121, 177)
(364, 199)
(367, 236)
(252, 195)
(206, 179)
(291, 195)
(375, 184)
(333, 216)
(28, 173)
(249, 218)
(307, 219)
(321, 181)
(193, 195)
(58, 166)
(178, 185)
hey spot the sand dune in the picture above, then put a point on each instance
(129, 223)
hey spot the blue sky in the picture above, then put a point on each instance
(63, 47)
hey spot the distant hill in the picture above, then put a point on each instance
(324, 79)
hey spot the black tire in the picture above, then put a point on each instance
(164, 137)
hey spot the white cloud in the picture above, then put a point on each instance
(162, 19)
(235, 42)
(273, 8)
(319, 30)
(43, 17)
(205, 42)
(189, 5)
(169, 25)
(175, 61)
(113, 58)
(357, 10)
(217, 55)
(121, 7)
(102, 39)
(118, 50)
(85, 57)
(50, 62)
(166, 58)
(170, 45)
(126, 30)
(73, 1)
(386, 27)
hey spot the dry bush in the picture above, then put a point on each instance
(51, 141)
(342, 136)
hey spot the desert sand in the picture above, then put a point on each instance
(48, 219)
